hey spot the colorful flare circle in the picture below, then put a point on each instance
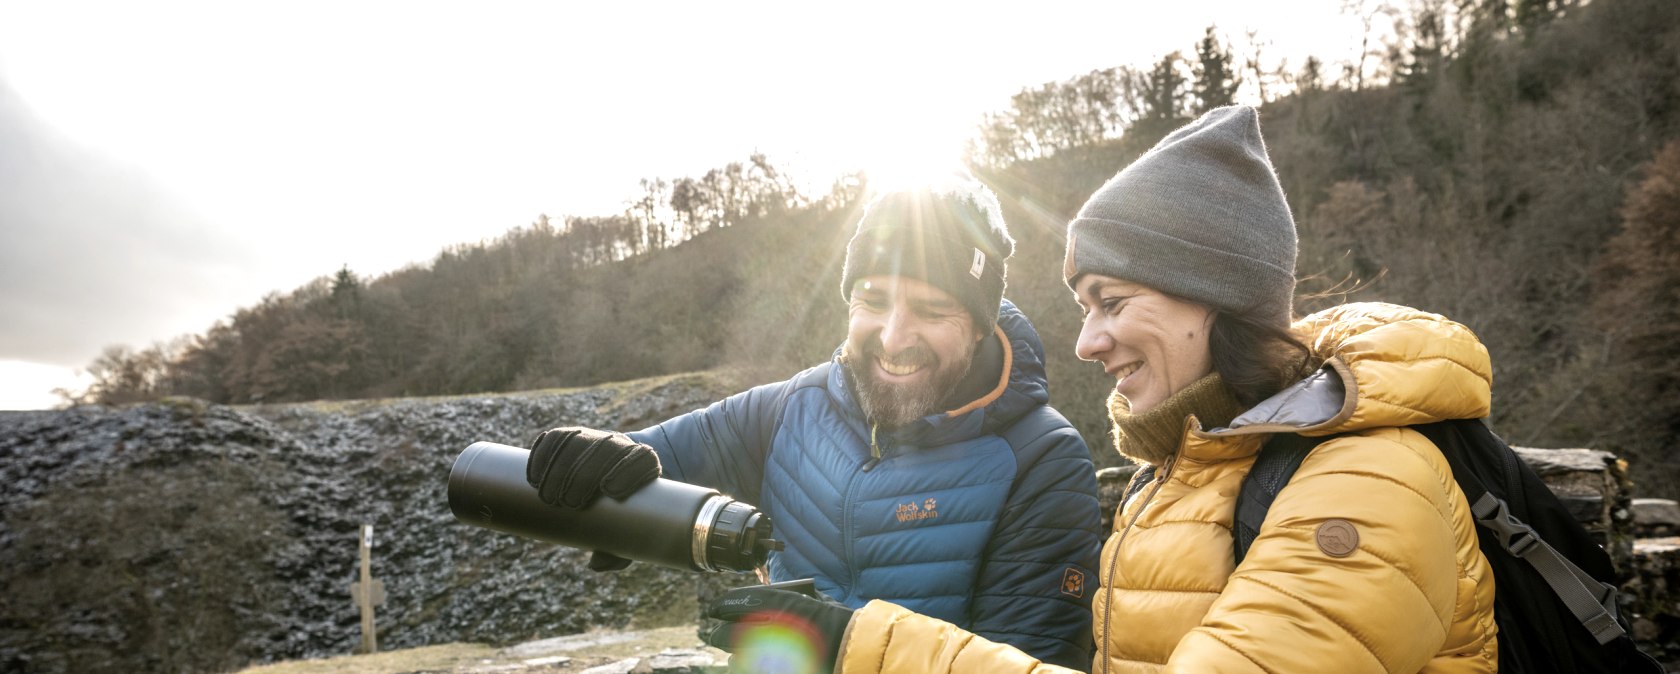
(777, 644)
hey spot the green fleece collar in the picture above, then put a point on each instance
(1152, 437)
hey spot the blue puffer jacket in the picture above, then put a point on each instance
(985, 516)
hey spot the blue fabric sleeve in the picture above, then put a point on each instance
(724, 445)
(1035, 584)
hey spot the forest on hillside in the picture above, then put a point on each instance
(1512, 164)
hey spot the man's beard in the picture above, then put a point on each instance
(894, 405)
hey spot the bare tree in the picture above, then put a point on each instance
(1367, 12)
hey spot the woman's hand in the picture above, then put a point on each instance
(773, 629)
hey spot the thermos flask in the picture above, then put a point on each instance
(669, 523)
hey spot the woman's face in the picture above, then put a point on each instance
(1153, 344)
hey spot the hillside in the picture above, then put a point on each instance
(1502, 172)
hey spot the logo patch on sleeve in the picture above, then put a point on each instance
(1073, 583)
(1337, 538)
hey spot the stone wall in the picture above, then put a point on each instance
(1655, 582)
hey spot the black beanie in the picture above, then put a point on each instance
(951, 237)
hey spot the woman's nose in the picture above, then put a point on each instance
(1092, 343)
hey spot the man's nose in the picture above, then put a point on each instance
(898, 332)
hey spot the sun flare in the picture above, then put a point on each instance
(905, 158)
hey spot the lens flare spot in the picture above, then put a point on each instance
(784, 645)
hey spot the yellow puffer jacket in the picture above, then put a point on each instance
(1367, 561)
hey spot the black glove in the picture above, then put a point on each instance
(601, 560)
(573, 466)
(744, 611)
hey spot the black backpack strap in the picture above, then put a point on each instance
(1277, 462)
(1140, 479)
(1591, 601)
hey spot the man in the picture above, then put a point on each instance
(923, 465)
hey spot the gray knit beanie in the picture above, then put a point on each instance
(1200, 216)
(951, 236)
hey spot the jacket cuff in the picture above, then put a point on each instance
(866, 637)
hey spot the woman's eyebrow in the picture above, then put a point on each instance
(1098, 287)
(1093, 289)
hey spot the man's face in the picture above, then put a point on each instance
(907, 345)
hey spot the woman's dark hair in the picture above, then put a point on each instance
(1257, 358)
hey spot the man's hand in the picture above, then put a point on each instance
(756, 621)
(573, 466)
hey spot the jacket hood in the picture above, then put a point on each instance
(1023, 389)
(1384, 365)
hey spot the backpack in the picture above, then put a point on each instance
(1555, 604)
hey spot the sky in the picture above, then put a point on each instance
(163, 164)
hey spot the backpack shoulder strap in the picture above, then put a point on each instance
(1592, 601)
(1277, 462)
(1139, 480)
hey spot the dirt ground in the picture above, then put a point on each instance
(574, 653)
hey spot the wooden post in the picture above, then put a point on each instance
(368, 593)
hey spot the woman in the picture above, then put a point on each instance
(1183, 264)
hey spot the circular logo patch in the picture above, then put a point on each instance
(1338, 538)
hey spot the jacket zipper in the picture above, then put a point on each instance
(1108, 615)
(850, 498)
(874, 449)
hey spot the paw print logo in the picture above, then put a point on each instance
(930, 504)
(1073, 582)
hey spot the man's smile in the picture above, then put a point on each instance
(900, 369)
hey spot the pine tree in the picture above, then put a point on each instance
(1530, 15)
(1428, 49)
(1311, 77)
(1163, 91)
(1217, 78)
(346, 295)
